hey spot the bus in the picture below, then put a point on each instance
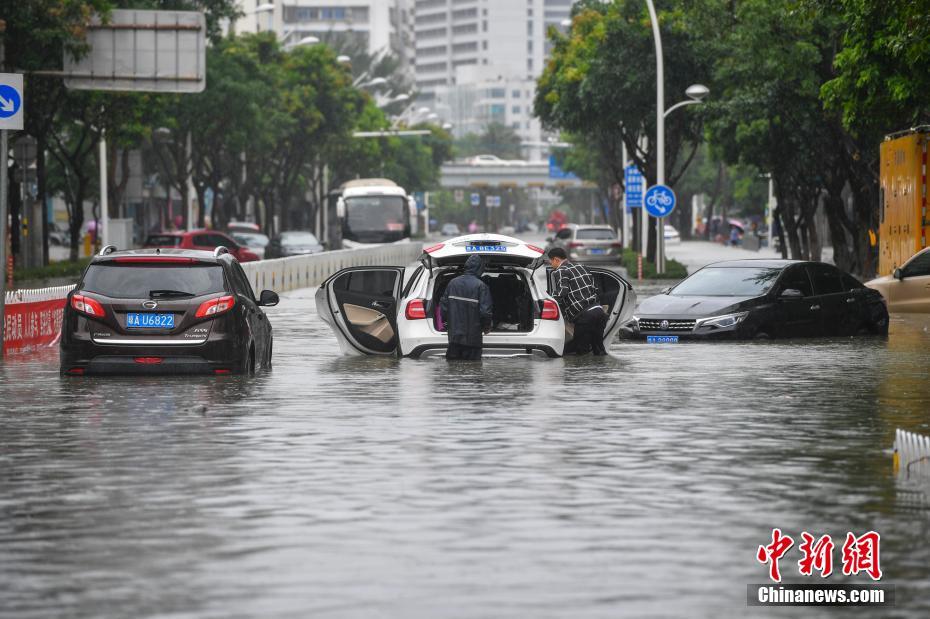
(374, 210)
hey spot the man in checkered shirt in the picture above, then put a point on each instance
(573, 288)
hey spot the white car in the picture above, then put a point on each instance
(395, 310)
(671, 234)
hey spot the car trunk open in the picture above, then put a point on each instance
(513, 306)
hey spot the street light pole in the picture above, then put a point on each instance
(104, 205)
(660, 131)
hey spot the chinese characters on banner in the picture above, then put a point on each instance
(859, 554)
(30, 325)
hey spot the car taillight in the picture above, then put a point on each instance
(574, 245)
(86, 305)
(430, 250)
(148, 360)
(416, 310)
(616, 244)
(75, 372)
(222, 372)
(155, 259)
(534, 248)
(550, 310)
(215, 306)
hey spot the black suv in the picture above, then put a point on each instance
(165, 310)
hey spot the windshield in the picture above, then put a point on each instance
(728, 282)
(137, 282)
(299, 239)
(250, 239)
(387, 213)
(595, 234)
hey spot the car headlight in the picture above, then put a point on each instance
(723, 322)
(632, 323)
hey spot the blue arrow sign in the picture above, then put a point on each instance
(475, 199)
(660, 201)
(10, 100)
(633, 181)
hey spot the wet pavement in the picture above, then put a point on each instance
(638, 485)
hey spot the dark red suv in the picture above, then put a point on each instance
(204, 240)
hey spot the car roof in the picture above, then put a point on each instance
(196, 254)
(456, 249)
(765, 263)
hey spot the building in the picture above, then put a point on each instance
(477, 61)
(380, 25)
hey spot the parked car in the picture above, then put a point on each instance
(587, 243)
(293, 243)
(395, 310)
(671, 235)
(907, 289)
(763, 299)
(165, 310)
(450, 229)
(243, 226)
(205, 240)
(254, 241)
(58, 233)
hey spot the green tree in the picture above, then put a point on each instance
(600, 84)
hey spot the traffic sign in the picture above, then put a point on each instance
(476, 199)
(11, 101)
(493, 201)
(633, 181)
(660, 200)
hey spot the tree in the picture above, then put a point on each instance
(497, 139)
(600, 84)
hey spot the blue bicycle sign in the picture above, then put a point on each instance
(659, 200)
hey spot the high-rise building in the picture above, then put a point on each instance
(477, 61)
(378, 25)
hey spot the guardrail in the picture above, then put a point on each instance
(32, 317)
(284, 274)
(911, 453)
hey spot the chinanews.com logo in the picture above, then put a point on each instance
(859, 555)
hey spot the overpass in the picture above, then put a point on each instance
(507, 175)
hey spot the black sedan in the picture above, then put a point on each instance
(293, 243)
(165, 310)
(746, 299)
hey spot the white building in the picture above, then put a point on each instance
(383, 25)
(477, 61)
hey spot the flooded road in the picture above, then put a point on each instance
(639, 485)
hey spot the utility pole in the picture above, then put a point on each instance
(104, 195)
(660, 132)
(4, 190)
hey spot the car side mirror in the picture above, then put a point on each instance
(791, 293)
(898, 274)
(268, 298)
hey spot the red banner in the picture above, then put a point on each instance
(29, 326)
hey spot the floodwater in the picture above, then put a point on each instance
(639, 485)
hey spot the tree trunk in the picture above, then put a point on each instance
(42, 186)
(777, 217)
(709, 209)
(77, 218)
(651, 242)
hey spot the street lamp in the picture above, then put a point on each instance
(696, 94)
(308, 41)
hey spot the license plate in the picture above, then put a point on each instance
(598, 251)
(499, 248)
(662, 339)
(136, 320)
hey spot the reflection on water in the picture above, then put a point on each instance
(637, 485)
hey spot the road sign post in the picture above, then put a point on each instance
(11, 118)
(660, 201)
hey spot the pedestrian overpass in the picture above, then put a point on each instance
(513, 175)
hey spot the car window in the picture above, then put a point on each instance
(919, 265)
(368, 282)
(163, 240)
(136, 282)
(850, 283)
(564, 233)
(203, 240)
(796, 278)
(241, 281)
(826, 279)
(595, 234)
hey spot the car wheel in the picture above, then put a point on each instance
(762, 335)
(270, 350)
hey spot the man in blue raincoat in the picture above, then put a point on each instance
(466, 308)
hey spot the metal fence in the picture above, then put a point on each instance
(911, 454)
(35, 295)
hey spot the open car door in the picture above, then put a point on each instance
(617, 298)
(360, 305)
